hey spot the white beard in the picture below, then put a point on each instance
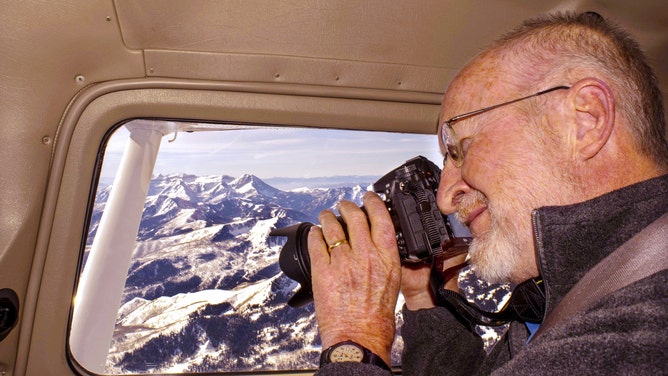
(495, 255)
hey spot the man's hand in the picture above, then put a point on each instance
(415, 286)
(355, 287)
(416, 283)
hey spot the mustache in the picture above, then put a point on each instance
(468, 203)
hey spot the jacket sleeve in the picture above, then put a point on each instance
(435, 343)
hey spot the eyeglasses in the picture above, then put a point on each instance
(453, 147)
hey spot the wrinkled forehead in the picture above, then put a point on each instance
(483, 82)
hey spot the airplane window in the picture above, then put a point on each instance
(179, 273)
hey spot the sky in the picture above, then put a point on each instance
(280, 152)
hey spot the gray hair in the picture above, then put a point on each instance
(559, 48)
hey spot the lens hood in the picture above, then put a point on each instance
(295, 261)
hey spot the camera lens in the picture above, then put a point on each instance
(295, 261)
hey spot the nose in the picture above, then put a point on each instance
(451, 188)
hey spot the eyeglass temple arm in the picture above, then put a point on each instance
(469, 114)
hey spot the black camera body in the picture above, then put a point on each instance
(409, 192)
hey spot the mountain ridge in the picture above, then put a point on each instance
(204, 292)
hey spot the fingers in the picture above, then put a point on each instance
(383, 235)
(416, 287)
(333, 232)
(317, 249)
(357, 226)
(362, 232)
(373, 229)
(355, 284)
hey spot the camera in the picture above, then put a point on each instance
(423, 233)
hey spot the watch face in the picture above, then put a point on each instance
(346, 353)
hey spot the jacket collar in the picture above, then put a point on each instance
(570, 240)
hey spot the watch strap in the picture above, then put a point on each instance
(369, 357)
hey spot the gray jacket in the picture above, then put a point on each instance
(625, 333)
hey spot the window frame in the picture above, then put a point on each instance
(98, 108)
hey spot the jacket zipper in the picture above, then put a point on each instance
(538, 246)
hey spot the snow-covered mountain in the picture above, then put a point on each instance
(204, 292)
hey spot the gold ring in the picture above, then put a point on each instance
(336, 244)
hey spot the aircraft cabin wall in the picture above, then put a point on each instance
(71, 71)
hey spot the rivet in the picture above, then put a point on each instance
(80, 79)
(108, 18)
(277, 75)
(46, 140)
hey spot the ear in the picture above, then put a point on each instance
(593, 111)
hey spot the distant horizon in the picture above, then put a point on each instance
(283, 183)
(279, 153)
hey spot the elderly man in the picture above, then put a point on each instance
(555, 155)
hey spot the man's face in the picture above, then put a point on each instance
(508, 171)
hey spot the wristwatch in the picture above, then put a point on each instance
(349, 351)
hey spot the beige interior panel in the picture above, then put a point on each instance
(441, 34)
(342, 30)
(309, 71)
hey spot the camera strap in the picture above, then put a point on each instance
(526, 303)
(639, 257)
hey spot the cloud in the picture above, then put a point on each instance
(281, 152)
